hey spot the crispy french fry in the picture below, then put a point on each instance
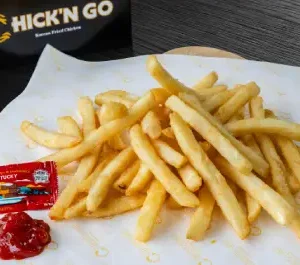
(147, 154)
(111, 111)
(172, 204)
(208, 149)
(208, 93)
(207, 81)
(76, 209)
(253, 208)
(99, 189)
(160, 94)
(122, 97)
(47, 138)
(237, 101)
(86, 184)
(123, 182)
(289, 151)
(151, 125)
(168, 132)
(250, 141)
(87, 112)
(256, 108)
(201, 218)
(214, 102)
(118, 206)
(272, 126)
(104, 133)
(156, 196)
(67, 125)
(168, 154)
(259, 164)
(280, 210)
(293, 182)
(211, 176)
(190, 177)
(140, 181)
(209, 133)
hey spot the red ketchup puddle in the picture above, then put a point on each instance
(22, 237)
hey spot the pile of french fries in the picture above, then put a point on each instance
(179, 146)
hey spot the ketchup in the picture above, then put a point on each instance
(22, 237)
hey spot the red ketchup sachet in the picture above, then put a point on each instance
(28, 186)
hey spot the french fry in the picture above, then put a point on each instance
(200, 220)
(271, 126)
(237, 101)
(214, 102)
(168, 132)
(123, 182)
(48, 139)
(76, 209)
(208, 93)
(103, 133)
(190, 177)
(256, 108)
(289, 151)
(207, 81)
(253, 208)
(168, 154)
(209, 133)
(67, 125)
(111, 111)
(172, 204)
(122, 97)
(140, 181)
(156, 196)
(86, 184)
(99, 189)
(250, 141)
(280, 210)
(118, 206)
(259, 164)
(160, 94)
(293, 182)
(147, 154)
(87, 112)
(208, 149)
(151, 125)
(211, 176)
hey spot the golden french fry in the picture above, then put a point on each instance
(104, 133)
(210, 133)
(211, 176)
(271, 126)
(86, 184)
(237, 101)
(168, 154)
(151, 125)
(207, 81)
(168, 132)
(253, 208)
(111, 111)
(201, 218)
(208, 149)
(124, 98)
(160, 94)
(172, 204)
(293, 182)
(280, 210)
(47, 138)
(67, 125)
(87, 112)
(76, 209)
(156, 196)
(140, 181)
(147, 154)
(250, 141)
(208, 93)
(190, 177)
(99, 189)
(123, 182)
(118, 206)
(289, 151)
(214, 102)
(259, 164)
(256, 108)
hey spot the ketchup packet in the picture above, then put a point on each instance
(29, 186)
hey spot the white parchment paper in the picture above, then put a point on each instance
(53, 91)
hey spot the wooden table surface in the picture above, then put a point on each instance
(267, 30)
